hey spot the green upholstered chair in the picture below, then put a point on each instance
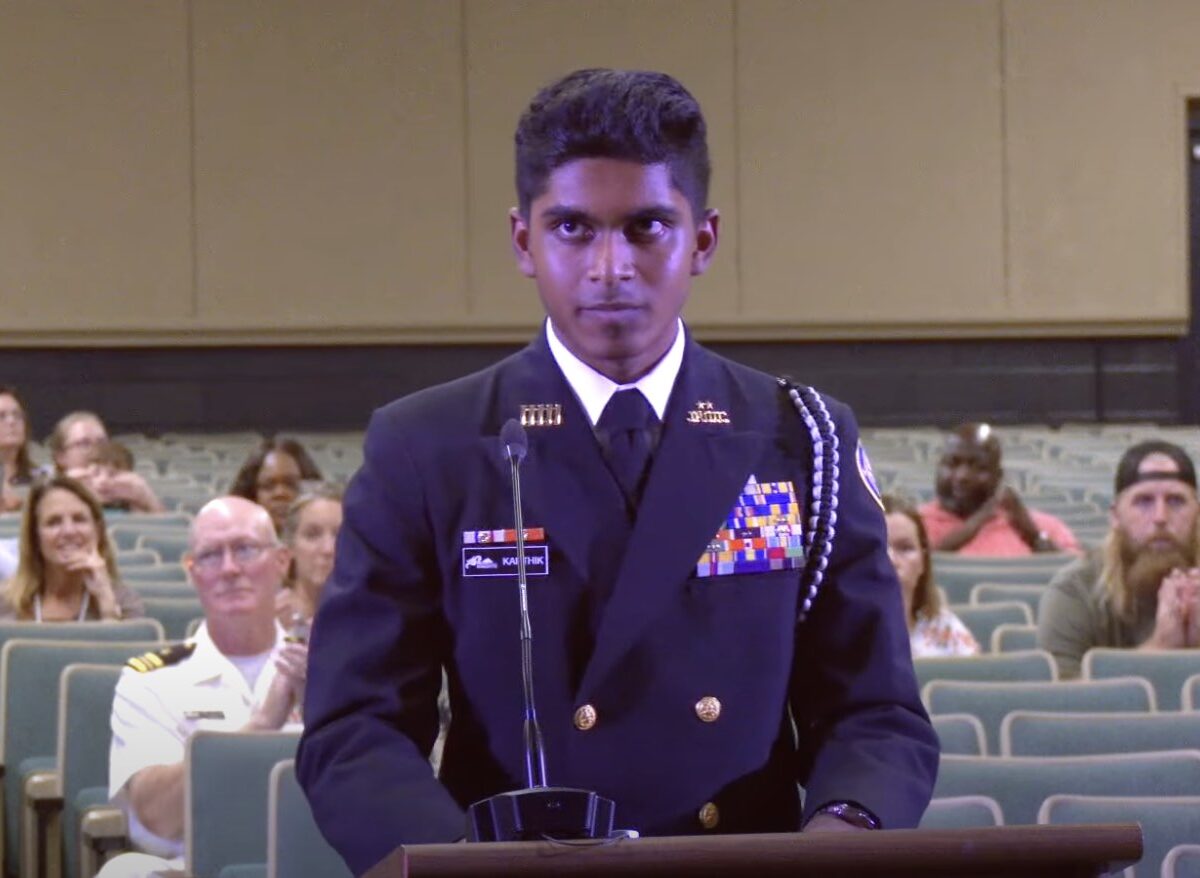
(1166, 669)
(174, 613)
(295, 847)
(1029, 665)
(225, 813)
(1021, 783)
(962, 812)
(983, 619)
(960, 734)
(1008, 637)
(1166, 821)
(991, 702)
(1182, 861)
(1042, 733)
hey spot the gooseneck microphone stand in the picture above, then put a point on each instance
(539, 811)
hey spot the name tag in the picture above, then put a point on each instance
(204, 714)
(479, 561)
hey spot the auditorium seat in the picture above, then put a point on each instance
(295, 847)
(1021, 783)
(1045, 733)
(960, 812)
(1166, 821)
(1030, 665)
(983, 619)
(1014, 638)
(959, 733)
(1182, 861)
(1165, 669)
(1002, 593)
(991, 702)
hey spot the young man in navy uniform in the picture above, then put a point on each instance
(715, 618)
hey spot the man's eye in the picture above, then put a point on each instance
(570, 230)
(647, 228)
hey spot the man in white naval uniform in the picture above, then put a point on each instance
(239, 672)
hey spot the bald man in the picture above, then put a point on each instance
(237, 673)
(977, 513)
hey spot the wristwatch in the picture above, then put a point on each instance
(855, 815)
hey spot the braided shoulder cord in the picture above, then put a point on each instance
(823, 490)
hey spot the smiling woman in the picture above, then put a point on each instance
(67, 570)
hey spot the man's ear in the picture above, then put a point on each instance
(706, 241)
(519, 230)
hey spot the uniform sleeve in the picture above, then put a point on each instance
(378, 644)
(1064, 623)
(144, 733)
(864, 735)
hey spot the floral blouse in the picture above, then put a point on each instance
(943, 634)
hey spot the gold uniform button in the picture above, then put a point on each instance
(709, 816)
(708, 709)
(585, 717)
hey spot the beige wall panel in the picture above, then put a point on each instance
(871, 162)
(515, 48)
(94, 192)
(329, 163)
(1097, 157)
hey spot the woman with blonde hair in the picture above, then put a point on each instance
(310, 531)
(67, 570)
(932, 628)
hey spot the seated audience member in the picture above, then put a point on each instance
(108, 475)
(310, 533)
(272, 476)
(932, 628)
(237, 673)
(67, 568)
(74, 442)
(16, 466)
(1141, 589)
(977, 513)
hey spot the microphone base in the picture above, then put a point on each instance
(539, 813)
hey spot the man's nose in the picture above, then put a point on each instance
(612, 259)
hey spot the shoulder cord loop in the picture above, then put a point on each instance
(823, 490)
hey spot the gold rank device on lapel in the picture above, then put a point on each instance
(548, 414)
(704, 413)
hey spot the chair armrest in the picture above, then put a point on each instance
(103, 833)
(41, 825)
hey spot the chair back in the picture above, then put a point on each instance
(295, 847)
(174, 613)
(960, 734)
(1004, 593)
(991, 702)
(85, 694)
(170, 545)
(1182, 861)
(154, 573)
(1166, 821)
(1165, 669)
(225, 807)
(1189, 698)
(962, 812)
(1030, 665)
(1053, 733)
(29, 681)
(983, 619)
(1008, 637)
(1021, 783)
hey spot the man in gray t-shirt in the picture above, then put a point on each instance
(1142, 588)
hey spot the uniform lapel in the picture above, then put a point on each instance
(565, 483)
(694, 480)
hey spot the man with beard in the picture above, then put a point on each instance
(1142, 588)
(977, 513)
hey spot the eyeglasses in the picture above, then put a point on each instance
(85, 442)
(211, 559)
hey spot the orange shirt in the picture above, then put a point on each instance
(997, 537)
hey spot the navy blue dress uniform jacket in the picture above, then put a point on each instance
(620, 622)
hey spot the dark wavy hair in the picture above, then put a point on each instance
(634, 115)
(927, 600)
(245, 483)
(24, 462)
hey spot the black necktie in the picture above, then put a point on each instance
(626, 428)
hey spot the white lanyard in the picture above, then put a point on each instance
(83, 607)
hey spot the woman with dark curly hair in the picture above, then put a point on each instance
(932, 628)
(271, 476)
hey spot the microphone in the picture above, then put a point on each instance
(539, 811)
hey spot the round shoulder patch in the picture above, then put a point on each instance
(867, 474)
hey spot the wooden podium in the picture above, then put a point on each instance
(1008, 851)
